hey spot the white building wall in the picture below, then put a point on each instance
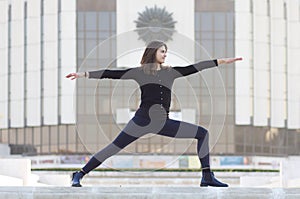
(293, 69)
(39, 70)
(243, 69)
(68, 60)
(269, 72)
(33, 102)
(17, 64)
(278, 63)
(266, 81)
(3, 64)
(261, 63)
(50, 60)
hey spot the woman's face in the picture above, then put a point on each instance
(161, 54)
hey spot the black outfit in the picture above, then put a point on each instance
(152, 115)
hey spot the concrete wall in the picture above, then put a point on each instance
(4, 150)
(17, 168)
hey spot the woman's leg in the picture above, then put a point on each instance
(135, 129)
(179, 129)
(121, 141)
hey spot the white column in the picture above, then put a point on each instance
(3, 64)
(68, 60)
(261, 61)
(50, 73)
(33, 63)
(293, 69)
(278, 64)
(244, 69)
(17, 64)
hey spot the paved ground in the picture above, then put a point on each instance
(146, 193)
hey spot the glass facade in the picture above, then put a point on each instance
(94, 26)
(102, 99)
(98, 101)
(214, 31)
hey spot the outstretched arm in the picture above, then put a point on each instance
(104, 73)
(73, 76)
(194, 68)
(228, 60)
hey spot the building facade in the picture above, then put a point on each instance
(250, 108)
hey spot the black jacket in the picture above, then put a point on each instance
(155, 89)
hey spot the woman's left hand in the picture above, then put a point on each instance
(228, 60)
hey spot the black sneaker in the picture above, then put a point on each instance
(76, 177)
(208, 179)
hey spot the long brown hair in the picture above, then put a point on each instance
(148, 62)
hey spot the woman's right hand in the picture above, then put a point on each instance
(73, 76)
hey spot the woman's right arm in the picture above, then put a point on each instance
(104, 73)
(73, 76)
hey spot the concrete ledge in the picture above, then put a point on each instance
(147, 193)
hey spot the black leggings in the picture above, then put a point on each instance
(141, 124)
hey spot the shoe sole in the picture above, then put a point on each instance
(76, 185)
(206, 185)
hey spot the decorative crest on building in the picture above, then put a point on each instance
(155, 24)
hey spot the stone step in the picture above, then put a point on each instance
(154, 179)
(147, 193)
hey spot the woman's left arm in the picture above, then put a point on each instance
(194, 68)
(228, 60)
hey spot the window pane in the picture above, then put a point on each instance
(219, 21)
(206, 21)
(207, 35)
(197, 36)
(80, 48)
(113, 48)
(230, 76)
(91, 35)
(220, 35)
(230, 22)
(113, 21)
(104, 53)
(80, 35)
(197, 21)
(89, 46)
(90, 21)
(230, 48)
(80, 21)
(220, 48)
(90, 63)
(207, 45)
(104, 21)
(103, 35)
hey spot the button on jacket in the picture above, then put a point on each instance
(155, 89)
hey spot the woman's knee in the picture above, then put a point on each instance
(202, 133)
(123, 139)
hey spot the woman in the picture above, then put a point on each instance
(155, 81)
